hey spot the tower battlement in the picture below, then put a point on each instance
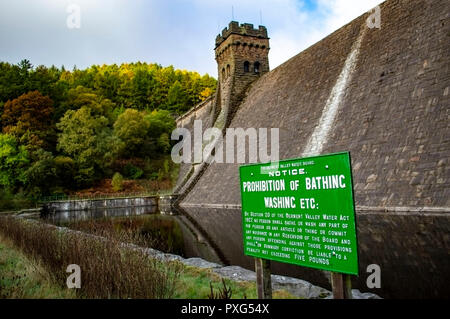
(242, 53)
(245, 29)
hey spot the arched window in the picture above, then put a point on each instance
(223, 73)
(246, 66)
(256, 67)
(228, 70)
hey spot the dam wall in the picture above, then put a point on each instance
(382, 94)
(393, 115)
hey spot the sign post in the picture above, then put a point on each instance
(263, 280)
(301, 211)
(341, 285)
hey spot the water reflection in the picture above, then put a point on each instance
(223, 227)
(77, 215)
(166, 230)
(413, 261)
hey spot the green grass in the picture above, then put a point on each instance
(23, 278)
(194, 283)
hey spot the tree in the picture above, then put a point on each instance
(161, 125)
(1, 112)
(163, 143)
(142, 88)
(45, 80)
(14, 162)
(206, 93)
(102, 112)
(160, 122)
(177, 98)
(88, 140)
(12, 84)
(42, 175)
(19, 79)
(84, 97)
(65, 171)
(25, 67)
(29, 114)
(132, 128)
(107, 81)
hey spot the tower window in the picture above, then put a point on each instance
(246, 66)
(256, 67)
(228, 70)
(223, 73)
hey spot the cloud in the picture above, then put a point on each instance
(312, 26)
(177, 32)
(340, 12)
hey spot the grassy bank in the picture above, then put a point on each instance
(108, 270)
(25, 278)
(195, 283)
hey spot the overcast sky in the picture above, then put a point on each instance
(168, 32)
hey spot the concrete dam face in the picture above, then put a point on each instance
(380, 93)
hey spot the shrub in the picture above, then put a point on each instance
(16, 201)
(117, 182)
(132, 171)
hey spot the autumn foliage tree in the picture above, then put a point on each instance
(29, 119)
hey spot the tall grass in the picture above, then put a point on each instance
(25, 278)
(108, 270)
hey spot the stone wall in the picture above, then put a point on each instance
(200, 111)
(203, 112)
(79, 205)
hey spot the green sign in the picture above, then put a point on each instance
(301, 211)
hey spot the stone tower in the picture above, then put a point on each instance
(242, 55)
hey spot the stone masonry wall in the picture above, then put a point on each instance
(393, 117)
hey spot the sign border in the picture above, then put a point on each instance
(353, 206)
